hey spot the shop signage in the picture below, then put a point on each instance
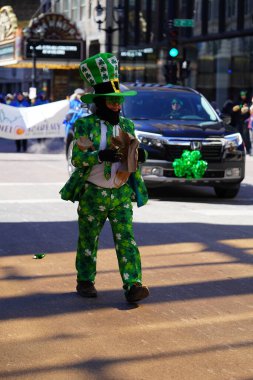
(56, 50)
(136, 52)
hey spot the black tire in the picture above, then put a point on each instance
(69, 148)
(227, 192)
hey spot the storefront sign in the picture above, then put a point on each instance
(55, 50)
(136, 52)
(33, 122)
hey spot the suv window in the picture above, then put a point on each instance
(161, 105)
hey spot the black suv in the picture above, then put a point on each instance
(170, 119)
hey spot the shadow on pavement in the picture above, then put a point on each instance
(200, 194)
(56, 237)
(39, 305)
(26, 239)
(102, 366)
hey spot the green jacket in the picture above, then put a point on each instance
(84, 161)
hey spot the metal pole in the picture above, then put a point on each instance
(34, 66)
(109, 32)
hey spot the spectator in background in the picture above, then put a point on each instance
(2, 99)
(20, 101)
(250, 129)
(239, 113)
(74, 101)
(41, 99)
(9, 98)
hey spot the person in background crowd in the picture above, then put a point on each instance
(250, 128)
(41, 99)
(74, 100)
(2, 99)
(239, 113)
(26, 97)
(20, 101)
(9, 98)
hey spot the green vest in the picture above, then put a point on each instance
(84, 161)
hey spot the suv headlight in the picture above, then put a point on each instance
(150, 139)
(233, 141)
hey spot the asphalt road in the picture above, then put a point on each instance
(197, 257)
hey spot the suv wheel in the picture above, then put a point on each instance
(227, 192)
(71, 168)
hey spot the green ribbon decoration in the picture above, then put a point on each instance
(190, 165)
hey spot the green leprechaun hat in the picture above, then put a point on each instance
(101, 72)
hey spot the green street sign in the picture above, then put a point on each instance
(183, 22)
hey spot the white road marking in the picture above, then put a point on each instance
(31, 183)
(23, 201)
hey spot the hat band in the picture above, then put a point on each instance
(107, 87)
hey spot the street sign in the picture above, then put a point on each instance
(183, 22)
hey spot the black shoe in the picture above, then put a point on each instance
(136, 293)
(86, 289)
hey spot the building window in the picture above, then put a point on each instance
(82, 9)
(143, 21)
(213, 16)
(65, 8)
(231, 8)
(231, 15)
(57, 7)
(74, 10)
(90, 8)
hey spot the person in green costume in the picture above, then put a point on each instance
(95, 183)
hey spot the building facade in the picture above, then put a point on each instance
(215, 45)
(214, 40)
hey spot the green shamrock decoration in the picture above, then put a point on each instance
(190, 165)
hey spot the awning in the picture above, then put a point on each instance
(44, 65)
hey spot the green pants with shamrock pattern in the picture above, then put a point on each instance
(95, 206)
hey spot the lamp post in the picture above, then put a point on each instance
(101, 16)
(34, 38)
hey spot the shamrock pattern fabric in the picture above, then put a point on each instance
(99, 68)
(84, 160)
(95, 205)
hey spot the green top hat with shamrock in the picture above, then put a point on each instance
(101, 72)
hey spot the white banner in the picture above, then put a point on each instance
(33, 122)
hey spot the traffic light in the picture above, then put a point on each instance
(173, 43)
